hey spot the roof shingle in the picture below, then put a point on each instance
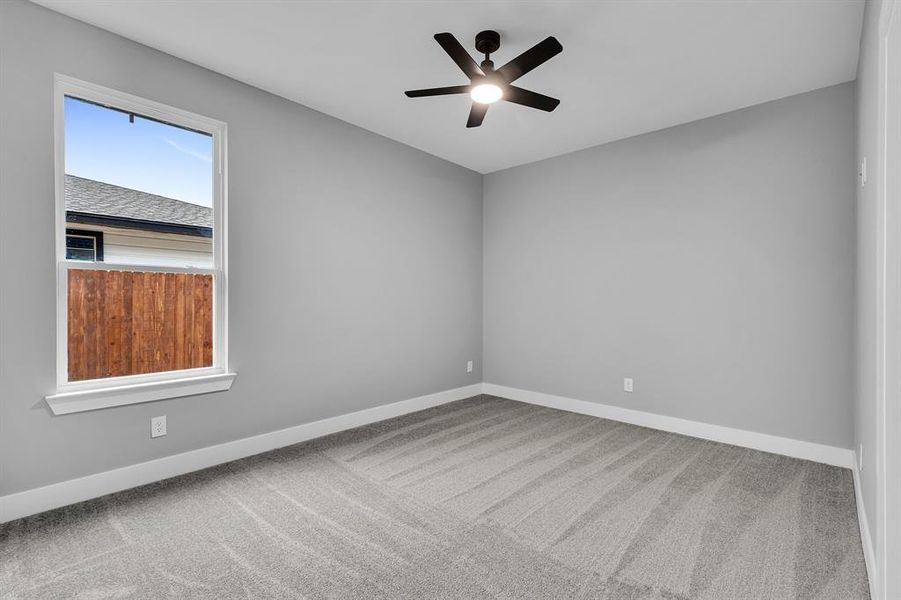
(98, 198)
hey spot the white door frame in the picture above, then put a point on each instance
(888, 413)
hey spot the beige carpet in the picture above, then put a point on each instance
(483, 498)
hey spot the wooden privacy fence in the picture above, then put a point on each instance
(128, 323)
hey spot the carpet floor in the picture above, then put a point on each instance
(482, 498)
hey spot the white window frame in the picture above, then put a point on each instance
(78, 396)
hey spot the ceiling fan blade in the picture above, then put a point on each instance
(531, 58)
(476, 114)
(459, 54)
(442, 91)
(531, 99)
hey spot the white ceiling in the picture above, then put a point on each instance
(627, 67)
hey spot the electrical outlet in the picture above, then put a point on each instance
(469, 366)
(158, 426)
(627, 384)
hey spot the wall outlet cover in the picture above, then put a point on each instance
(158, 426)
(469, 366)
(627, 384)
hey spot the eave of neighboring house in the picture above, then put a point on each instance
(125, 223)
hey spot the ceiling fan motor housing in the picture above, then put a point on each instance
(488, 41)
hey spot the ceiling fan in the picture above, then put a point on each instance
(487, 84)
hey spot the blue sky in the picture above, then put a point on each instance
(145, 155)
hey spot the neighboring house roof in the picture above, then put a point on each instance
(89, 201)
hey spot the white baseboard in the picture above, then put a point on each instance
(29, 502)
(830, 455)
(38, 500)
(869, 550)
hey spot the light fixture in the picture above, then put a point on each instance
(487, 85)
(486, 93)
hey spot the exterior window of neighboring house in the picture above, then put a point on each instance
(84, 245)
(141, 249)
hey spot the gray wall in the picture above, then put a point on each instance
(355, 261)
(712, 262)
(865, 415)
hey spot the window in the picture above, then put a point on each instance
(141, 250)
(84, 245)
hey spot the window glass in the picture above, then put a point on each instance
(147, 185)
(80, 247)
(139, 197)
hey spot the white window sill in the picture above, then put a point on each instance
(83, 400)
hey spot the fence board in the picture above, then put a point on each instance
(129, 323)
